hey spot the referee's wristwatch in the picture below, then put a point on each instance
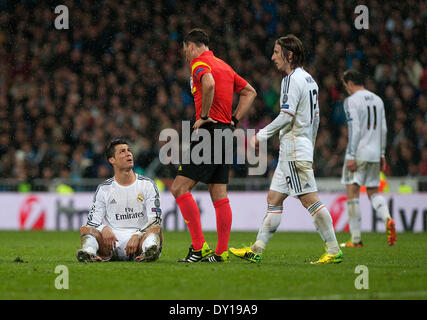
(235, 121)
(204, 118)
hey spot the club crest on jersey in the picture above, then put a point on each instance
(285, 98)
(140, 198)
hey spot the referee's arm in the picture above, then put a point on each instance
(208, 92)
(247, 97)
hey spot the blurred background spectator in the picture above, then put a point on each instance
(119, 71)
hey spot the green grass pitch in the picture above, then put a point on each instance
(397, 272)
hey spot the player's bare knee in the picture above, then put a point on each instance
(178, 190)
(216, 198)
(308, 199)
(175, 190)
(353, 191)
(275, 198)
(217, 191)
(271, 201)
(305, 203)
(85, 230)
(371, 192)
(182, 185)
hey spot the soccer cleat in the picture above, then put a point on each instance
(350, 244)
(84, 256)
(197, 255)
(247, 254)
(329, 258)
(391, 232)
(151, 254)
(223, 257)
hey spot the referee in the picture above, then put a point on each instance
(213, 83)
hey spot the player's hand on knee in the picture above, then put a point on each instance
(109, 238)
(132, 245)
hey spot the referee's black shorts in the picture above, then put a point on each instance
(210, 172)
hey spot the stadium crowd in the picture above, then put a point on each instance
(119, 71)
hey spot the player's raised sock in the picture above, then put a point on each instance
(380, 206)
(354, 220)
(152, 239)
(323, 223)
(268, 227)
(223, 224)
(191, 214)
(89, 243)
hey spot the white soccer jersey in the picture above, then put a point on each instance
(298, 99)
(367, 128)
(125, 207)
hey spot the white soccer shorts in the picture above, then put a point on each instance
(123, 236)
(294, 178)
(367, 174)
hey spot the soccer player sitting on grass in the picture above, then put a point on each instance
(125, 220)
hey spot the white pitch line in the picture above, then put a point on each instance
(363, 296)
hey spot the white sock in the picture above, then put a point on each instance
(323, 223)
(89, 243)
(380, 206)
(354, 220)
(268, 227)
(151, 240)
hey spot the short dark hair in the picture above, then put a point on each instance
(111, 148)
(353, 75)
(197, 36)
(291, 43)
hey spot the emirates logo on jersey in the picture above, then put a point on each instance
(140, 198)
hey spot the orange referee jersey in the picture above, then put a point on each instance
(226, 83)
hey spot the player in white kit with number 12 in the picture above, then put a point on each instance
(297, 124)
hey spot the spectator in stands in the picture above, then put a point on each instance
(119, 71)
